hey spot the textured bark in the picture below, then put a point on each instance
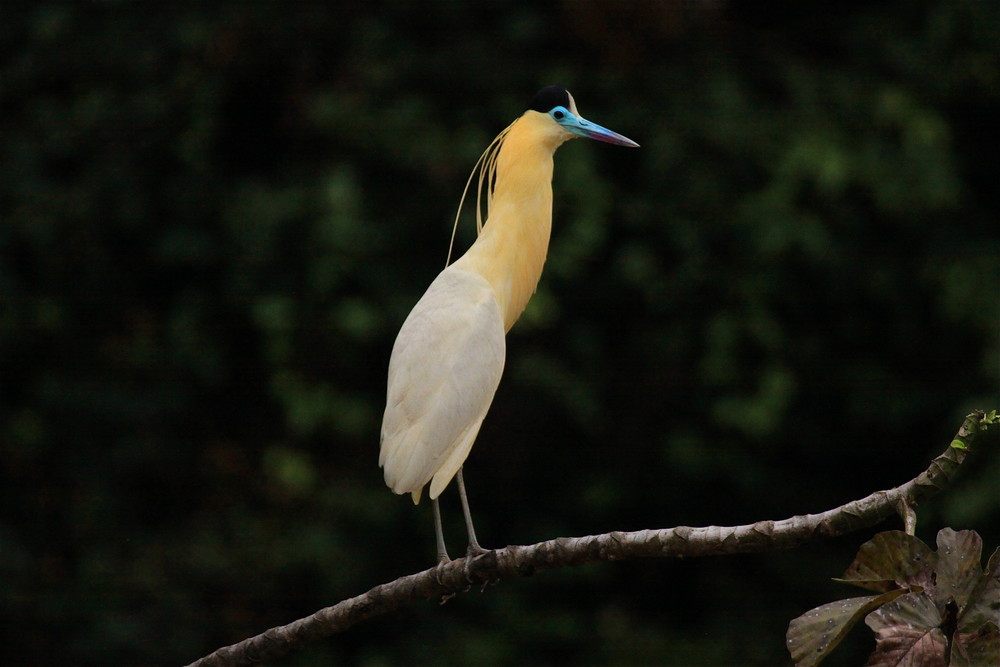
(457, 576)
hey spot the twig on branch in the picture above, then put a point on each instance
(460, 575)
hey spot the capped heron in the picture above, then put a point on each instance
(448, 357)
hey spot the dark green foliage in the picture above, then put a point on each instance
(214, 218)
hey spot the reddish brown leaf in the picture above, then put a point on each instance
(915, 610)
(984, 602)
(993, 566)
(812, 636)
(900, 646)
(958, 566)
(978, 648)
(942, 598)
(890, 560)
(907, 632)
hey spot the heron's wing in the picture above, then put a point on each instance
(444, 370)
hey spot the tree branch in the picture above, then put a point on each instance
(522, 561)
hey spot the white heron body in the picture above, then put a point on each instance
(443, 373)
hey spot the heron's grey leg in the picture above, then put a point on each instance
(442, 550)
(474, 548)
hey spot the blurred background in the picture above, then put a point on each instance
(214, 218)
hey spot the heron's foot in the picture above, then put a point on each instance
(473, 551)
(439, 569)
(442, 553)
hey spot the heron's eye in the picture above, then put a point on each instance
(558, 113)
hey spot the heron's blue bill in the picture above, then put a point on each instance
(585, 128)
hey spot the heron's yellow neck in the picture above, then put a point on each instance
(511, 249)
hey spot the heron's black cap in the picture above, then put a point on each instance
(549, 97)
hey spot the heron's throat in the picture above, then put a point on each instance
(511, 250)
